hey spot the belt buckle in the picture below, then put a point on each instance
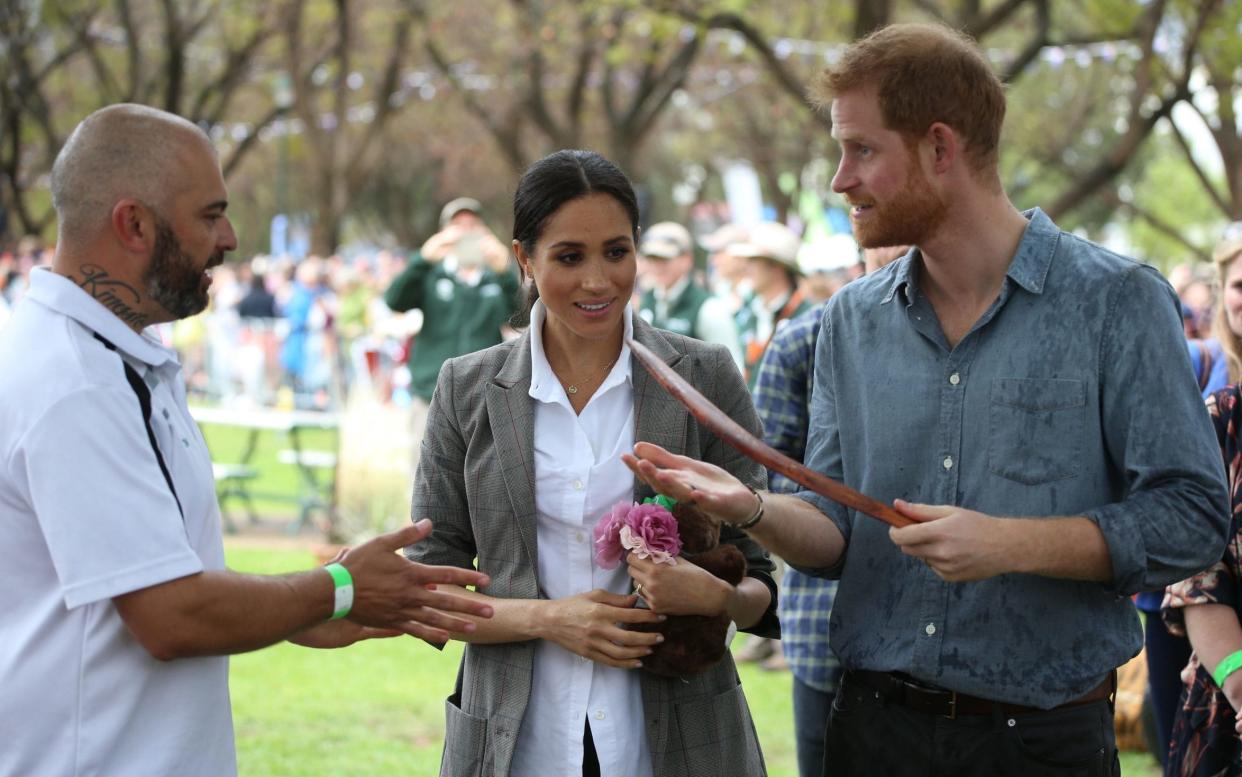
(952, 714)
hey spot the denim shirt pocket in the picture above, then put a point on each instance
(1035, 429)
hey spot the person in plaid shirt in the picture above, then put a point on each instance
(782, 397)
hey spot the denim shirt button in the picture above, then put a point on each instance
(931, 629)
(955, 379)
(948, 462)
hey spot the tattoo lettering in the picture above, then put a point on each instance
(97, 283)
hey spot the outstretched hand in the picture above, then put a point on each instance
(712, 489)
(392, 592)
(958, 544)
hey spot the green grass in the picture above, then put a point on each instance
(277, 486)
(378, 707)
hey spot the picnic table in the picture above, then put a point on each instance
(316, 491)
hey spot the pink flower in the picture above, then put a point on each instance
(651, 530)
(607, 533)
(648, 530)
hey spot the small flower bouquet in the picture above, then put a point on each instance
(647, 529)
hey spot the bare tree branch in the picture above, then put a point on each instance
(1037, 42)
(1140, 124)
(978, 25)
(135, 64)
(237, 63)
(507, 133)
(646, 107)
(106, 83)
(871, 15)
(1170, 231)
(244, 147)
(584, 63)
(1204, 181)
(793, 84)
(174, 67)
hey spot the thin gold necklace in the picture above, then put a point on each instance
(572, 388)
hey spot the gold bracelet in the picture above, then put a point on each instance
(758, 515)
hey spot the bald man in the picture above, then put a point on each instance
(118, 609)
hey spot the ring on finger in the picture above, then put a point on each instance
(638, 589)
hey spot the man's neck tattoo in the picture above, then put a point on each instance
(109, 292)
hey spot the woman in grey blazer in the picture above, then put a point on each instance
(521, 456)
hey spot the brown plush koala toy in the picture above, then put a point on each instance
(694, 643)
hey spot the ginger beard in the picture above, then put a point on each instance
(914, 212)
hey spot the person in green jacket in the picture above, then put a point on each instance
(674, 300)
(464, 283)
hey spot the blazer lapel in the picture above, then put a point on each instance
(658, 417)
(512, 418)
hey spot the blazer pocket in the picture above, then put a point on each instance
(718, 730)
(1035, 429)
(465, 741)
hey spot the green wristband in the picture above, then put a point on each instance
(344, 598)
(1230, 664)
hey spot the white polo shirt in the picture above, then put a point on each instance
(579, 476)
(86, 515)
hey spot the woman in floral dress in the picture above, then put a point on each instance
(1208, 609)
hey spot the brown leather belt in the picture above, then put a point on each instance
(899, 689)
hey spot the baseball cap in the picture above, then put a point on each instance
(457, 206)
(771, 240)
(666, 240)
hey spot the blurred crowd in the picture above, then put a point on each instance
(284, 332)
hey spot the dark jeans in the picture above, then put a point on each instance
(811, 708)
(868, 736)
(1167, 655)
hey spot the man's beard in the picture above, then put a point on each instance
(174, 280)
(907, 219)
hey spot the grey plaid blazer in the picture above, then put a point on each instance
(476, 482)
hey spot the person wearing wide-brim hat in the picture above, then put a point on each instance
(771, 250)
(674, 299)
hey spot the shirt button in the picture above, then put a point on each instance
(955, 379)
(580, 537)
(577, 485)
(599, 714)
(948, 462)
(931, 629)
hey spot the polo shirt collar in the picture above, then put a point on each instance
(56, 292)
(1028, 268)
(544, 385)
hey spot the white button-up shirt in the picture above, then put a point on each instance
(579, 476)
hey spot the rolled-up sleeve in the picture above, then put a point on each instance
(1173, 519)
(823, 444)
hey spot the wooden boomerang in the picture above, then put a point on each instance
(731, 432)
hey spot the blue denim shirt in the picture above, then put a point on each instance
(1072, 395)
